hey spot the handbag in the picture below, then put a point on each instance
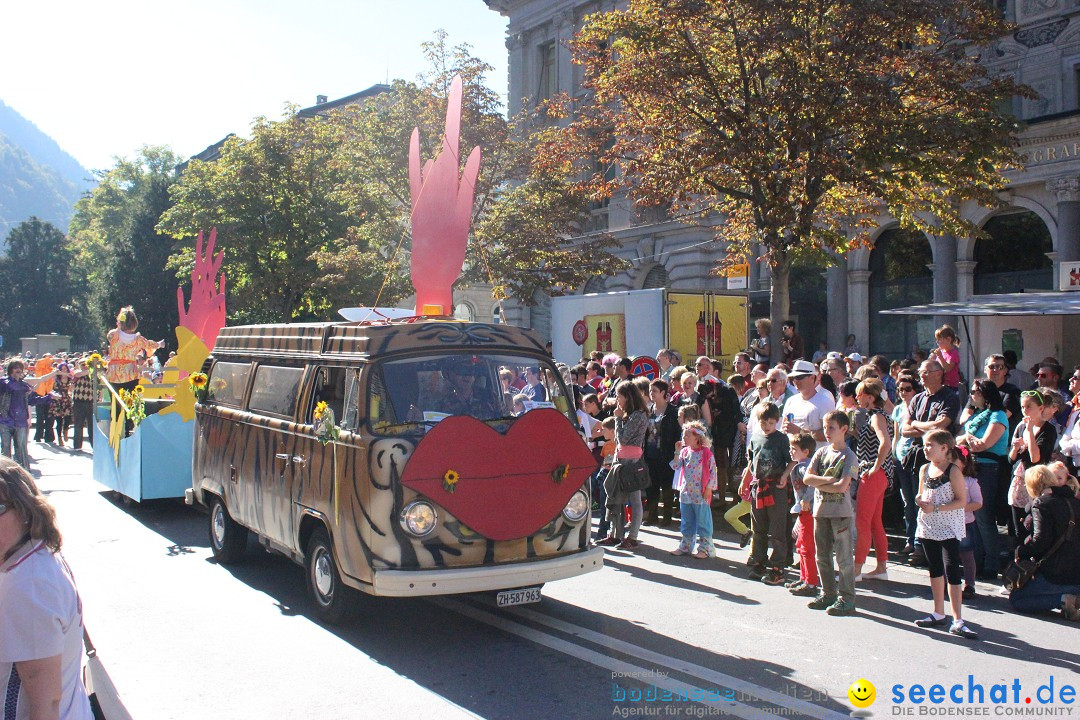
(1021, 571)
(631, 476)
(105, 701)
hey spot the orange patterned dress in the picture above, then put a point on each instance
(123, 355)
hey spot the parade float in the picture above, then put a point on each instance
(154, 460)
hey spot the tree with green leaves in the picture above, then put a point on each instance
(120, 258)
(797, 121)
(37, 290)
(313, 213)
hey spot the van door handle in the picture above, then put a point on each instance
(283, 456)
(299, 459)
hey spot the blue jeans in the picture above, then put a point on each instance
(696, 523)
(909, 487)
(17, 437)
(599, 495)
(986, 553)
(1040, 595)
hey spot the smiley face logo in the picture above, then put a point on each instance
(862, 693)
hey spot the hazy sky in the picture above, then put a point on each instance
(104, 78)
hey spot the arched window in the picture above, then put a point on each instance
(900, 276)
(656, 277)
(496, 314)
(1013, 258)
(464, 311)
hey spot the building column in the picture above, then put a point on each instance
(858, 314)
(516, 44)
(944, 267)
(1067, 191)
(965, 279)
(836, 294)
(563, 23)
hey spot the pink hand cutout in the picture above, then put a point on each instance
(205, 314)
(442, 206)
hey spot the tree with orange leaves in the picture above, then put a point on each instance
(799, 122)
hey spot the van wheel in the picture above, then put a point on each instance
(330, 595)
(228, 538)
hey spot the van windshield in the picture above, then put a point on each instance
(411, 395)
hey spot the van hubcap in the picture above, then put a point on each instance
(219, 525)
(323, 574)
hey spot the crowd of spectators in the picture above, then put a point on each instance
(810, 448)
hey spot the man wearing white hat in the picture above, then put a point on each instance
(805, 411)
(854, 360)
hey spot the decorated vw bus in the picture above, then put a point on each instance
(387, 457)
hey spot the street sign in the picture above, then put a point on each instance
(645, 365)
(738, 276)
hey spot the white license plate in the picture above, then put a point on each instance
(518, 597)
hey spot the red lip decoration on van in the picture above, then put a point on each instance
(505, 486)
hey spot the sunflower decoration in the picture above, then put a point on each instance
(197, 383)
(560, 473)
(136, 405)
(95, 364)
(450, 480)
(326, 429)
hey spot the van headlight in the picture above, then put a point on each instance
(419, 518)
(578, 507)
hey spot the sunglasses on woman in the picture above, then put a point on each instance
(1034, 395)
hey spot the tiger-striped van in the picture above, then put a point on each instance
(388, 458)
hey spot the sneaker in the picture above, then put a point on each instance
(906, 550)
(609, 541)
(821, 602)
(627, 544)
(744, 539)
(959, 629)
(756, 574)
(791, 584)
(931, 621)
(701, 555)
(679, 551)
(806, 591)
(969, 591)
(841, 608)
(773, 577)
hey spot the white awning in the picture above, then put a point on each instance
(1032, 303)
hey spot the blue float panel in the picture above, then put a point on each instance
(154, 461)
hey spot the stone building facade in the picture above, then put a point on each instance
(662, 252)
(1038, 228)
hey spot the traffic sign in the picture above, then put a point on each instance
(643, 365)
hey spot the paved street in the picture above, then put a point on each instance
(186, 638)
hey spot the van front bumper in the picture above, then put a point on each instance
(401, 583)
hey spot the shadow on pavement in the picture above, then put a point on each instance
(495, 672)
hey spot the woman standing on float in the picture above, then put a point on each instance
(124, 347)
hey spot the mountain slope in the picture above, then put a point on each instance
(37, 178)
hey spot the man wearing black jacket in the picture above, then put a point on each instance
(660, 451)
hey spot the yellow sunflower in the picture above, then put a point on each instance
(320, 410)
(450, 480)
(197, 380)
(138, 390)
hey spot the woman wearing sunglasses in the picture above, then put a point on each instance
(41, 630)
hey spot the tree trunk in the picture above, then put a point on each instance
(779, 304)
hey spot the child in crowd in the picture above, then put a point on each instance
(831, 471)
(689, 413)
(971, 529)
(801, 450)
(695, 481)
(941, 499)
(769, 464)
(1061, 473)
(607, 456)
